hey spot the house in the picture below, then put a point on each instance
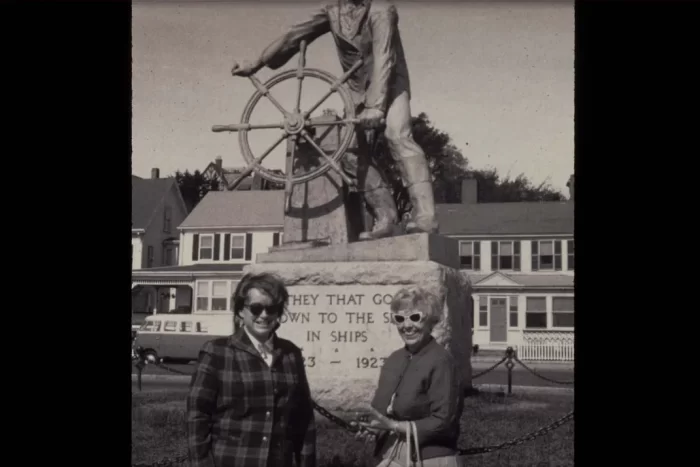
(222, 234)
(520, 260)
(226, 175)
(518, 256)
(157, 208)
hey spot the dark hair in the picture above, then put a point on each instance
(269, 283)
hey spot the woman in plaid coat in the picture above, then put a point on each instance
(249, 403)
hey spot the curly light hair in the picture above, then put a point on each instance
(418, 298)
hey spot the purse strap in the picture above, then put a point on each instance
(412, 442)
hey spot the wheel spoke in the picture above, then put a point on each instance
(257, 162)
(288, 186)
(330, 161)
(266, 92)
(334, 87)
(246, 126)
(300, 75)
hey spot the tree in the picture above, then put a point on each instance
(449, 168)
(194, 186)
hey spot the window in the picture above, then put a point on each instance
(167, 219)
(203, 296)
(562, 312)
(536, 313)
(206, 246)
(150, 257)
(505, 255)
(147, 326)
(219, 296)
(470, 255)
(570, 255)
(237, 246)
(546, 255)
(513, 312)
(170, 326)
(201, 327)
(217, 291)
(186, 326)
(156, 326)
(168, 256)
(483, 311)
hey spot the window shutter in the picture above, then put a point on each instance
(275, 239)
(195, 247)
(217, 247)
(227, 247)
(248, 246)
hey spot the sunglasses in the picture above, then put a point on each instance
(416, 317)
(257, 309)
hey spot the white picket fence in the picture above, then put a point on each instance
(547, 346)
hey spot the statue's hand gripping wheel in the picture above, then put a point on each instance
(295, 125)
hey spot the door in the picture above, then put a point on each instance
(498, 322)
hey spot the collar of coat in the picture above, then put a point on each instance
(240, 340)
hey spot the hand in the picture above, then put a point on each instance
(382, 422)
(365, 433)
(371, 118)
(246, 68)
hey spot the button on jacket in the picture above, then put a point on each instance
(243, 413)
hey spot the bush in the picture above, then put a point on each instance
(489, 418)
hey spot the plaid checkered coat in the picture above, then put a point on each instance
(242, 413)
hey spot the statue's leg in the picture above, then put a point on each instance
(373, 187)
(413, 164)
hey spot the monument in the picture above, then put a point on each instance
(341, 273)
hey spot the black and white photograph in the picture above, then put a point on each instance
(352, 238)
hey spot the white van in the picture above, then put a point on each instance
(181, 336)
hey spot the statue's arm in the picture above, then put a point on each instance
(286, 46)
(384, 23)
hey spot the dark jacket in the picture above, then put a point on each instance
(242, 413)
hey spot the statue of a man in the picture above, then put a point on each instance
(368, 30)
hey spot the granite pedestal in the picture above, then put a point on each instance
(339, 308)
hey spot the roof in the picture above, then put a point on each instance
(216, 267)
(500, 279)
(517, 218)
(235, 208)
(146, 196)
(187, 273)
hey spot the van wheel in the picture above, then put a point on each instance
(151, 356)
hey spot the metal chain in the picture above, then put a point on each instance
(489, 369)
(539, 375)
(544, 430)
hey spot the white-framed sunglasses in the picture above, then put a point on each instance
(415, 317)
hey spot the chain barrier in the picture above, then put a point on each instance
(517, 441)
(539, 375)
(488, 370)
(140, 361)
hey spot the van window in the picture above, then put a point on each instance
(156, 326)
(201, 327)
(147, 326)
(170, 326)
(186, 326)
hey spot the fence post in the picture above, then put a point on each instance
(509, 366)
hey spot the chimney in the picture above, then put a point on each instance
(219, 161)
(570, 184)
(155, 173)
(469, 191)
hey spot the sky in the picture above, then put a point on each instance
(497, 76)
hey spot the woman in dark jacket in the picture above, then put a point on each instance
(249, 403)
(418, 383)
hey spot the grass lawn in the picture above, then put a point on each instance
(158, 430)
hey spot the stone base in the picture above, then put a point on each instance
(413, 247)
(339, 316)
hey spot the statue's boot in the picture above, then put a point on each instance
(381, 202)
(420, 189)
